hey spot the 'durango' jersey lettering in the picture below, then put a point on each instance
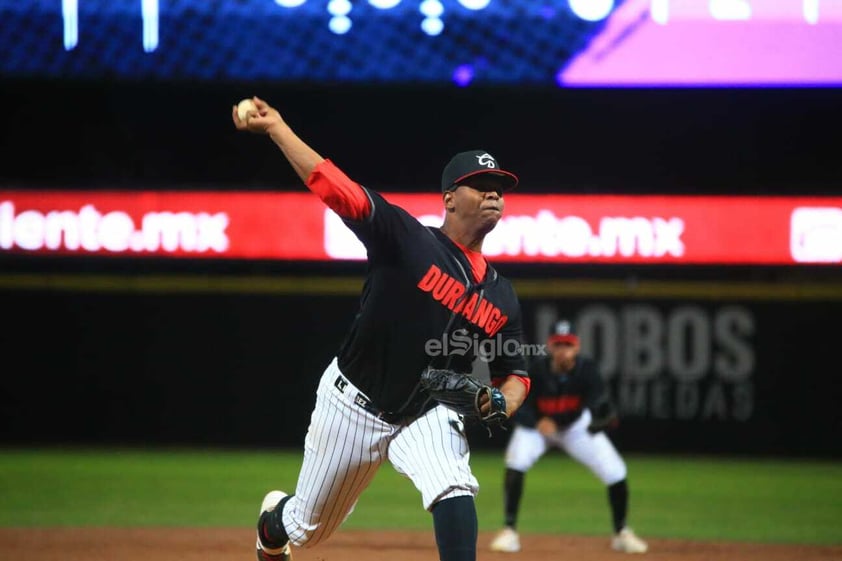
(448, 291)
(555, 405)
(561, 396)
(417, 291)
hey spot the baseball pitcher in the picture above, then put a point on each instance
(392, 393)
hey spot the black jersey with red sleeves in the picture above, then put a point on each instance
(420, 306)
(561, 396)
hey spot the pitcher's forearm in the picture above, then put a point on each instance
(300, 155)
(515, 392)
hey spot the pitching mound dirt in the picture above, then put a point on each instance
(223, 544)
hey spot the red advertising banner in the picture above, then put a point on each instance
(535, 228)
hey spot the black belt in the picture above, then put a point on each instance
(387, 416)
(362, 401)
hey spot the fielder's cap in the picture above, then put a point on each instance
(472, 163)
(563, 331)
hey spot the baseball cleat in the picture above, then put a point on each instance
(628, 542)
(270, 501)
(507, 541)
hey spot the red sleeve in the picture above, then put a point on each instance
(339, 192)
(526, 380)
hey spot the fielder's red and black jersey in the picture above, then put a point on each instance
(420, 306)
(561, 397)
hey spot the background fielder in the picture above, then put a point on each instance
(422, 284)
(567, 408)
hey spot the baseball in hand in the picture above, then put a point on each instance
(245, 107)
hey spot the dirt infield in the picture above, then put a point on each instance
(189, 544)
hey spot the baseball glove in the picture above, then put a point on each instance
(464, 394)
(603, 417)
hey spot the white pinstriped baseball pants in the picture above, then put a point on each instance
(344, 447)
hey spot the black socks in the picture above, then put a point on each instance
(512, 491)
(618, 497)
(455, 524)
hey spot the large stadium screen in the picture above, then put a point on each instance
(602, 229)
(458, 43)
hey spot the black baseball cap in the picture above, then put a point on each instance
(563, 331)
(471, 163)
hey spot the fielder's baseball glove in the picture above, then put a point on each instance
(603, 417)
(463, 394)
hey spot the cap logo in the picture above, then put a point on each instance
(486, 160)
(563, 328)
